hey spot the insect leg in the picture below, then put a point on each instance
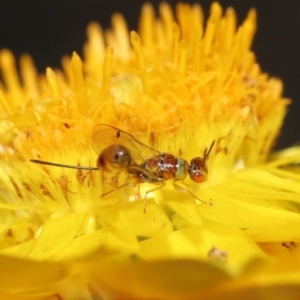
(119, 187)
(161, 184)
(184, 190)
(147, 175)
(128, 183)
(186, 184)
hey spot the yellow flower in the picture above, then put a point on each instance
(176, 86)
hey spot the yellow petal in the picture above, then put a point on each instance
(130, 217)
(270, 291)
(186, 210)
(268, 233)
(26, 296)
(197, 242)
(263, 177)
(178, 279)
(57, 234)
(233, 211)
(108, 241)
(18, 275)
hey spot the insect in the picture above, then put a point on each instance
(120, 151)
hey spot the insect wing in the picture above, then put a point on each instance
(104, 135)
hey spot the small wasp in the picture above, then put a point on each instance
(120, 151)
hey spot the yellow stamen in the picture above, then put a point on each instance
(52, 80)
(29, 77)
(176, 39)
(5, 104)
(107, 68)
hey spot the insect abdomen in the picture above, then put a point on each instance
(114, 158)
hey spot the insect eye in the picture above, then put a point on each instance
(199, 178)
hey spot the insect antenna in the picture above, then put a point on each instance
(42, 162)
(206, 153)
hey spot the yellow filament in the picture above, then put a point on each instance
(94, 50)
(29, 77)
(107, 67)
(78, 81)
(9, 71)
(216, 12)
(146, 26)
(176, 39)
(197, 51)
(182, 60)
(119, 37)
(230, 27)
(5, 103)
(167, 20)
(52, 81)
(249, 26)
(137, 47)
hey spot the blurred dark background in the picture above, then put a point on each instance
(48, 29)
